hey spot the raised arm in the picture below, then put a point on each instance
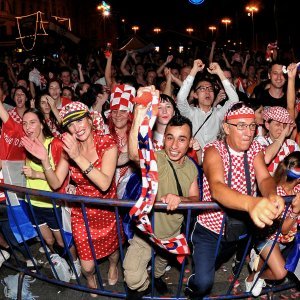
(3, 113)
(161, 68)
(182, 101)
(272, 149)
(244, 68)
(212, 52)
(123, 64)
(54, 109)
(139, 115)
(214, 68)
(81, 77)
(107, 73)
(291, 93)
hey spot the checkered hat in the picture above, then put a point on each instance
(121, 97)
(242, 111)
(72, 112)
(277, 113)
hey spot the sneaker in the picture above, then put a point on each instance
(256, 290)
(168, 268)
(42, 250)
(77, 268)
(4, 255)
(30, 264)
(160, 286)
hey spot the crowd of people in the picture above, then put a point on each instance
(73, 127)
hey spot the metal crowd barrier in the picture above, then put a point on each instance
(116, 205)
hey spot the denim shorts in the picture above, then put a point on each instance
(46, 216)
(268, 244)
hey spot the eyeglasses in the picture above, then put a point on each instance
(243, 126)
(204, 88)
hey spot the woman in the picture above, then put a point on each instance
(10, 141)
(120, 120)
(95, 97)
(35, 127)
(166, 110)
(92, 162)
(49, 111)
(54, 89)
(287, 178)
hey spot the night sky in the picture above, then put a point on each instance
(276, 19)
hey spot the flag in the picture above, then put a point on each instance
(139, 212)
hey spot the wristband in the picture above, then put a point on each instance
(89, 169)
(293, 216)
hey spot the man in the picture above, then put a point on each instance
(225, 159)
(275, 94)
(206, 119)
(177, 141)
(276, 143)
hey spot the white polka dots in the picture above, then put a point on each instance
(102, 223)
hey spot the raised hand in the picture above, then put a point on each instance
(35, 147)
(214, 68)
(71, 145)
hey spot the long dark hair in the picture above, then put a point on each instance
(46, 131)
(289, 162)
(51, 116)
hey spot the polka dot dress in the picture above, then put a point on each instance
(102, 223)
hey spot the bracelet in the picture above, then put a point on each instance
(293, 216)
(89, 169)
(47, 169)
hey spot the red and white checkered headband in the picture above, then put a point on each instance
(72, 112)
(239, 110)
(121, 97)
(277, 113)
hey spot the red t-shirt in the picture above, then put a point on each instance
(10, 141)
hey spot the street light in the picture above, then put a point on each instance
(251, 9)
(157, 30)
(190, 30)
(135, 28)
(226, 21)
(212, 28)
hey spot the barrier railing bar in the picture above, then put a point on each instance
(55, 197)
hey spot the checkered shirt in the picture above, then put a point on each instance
(287, 147)
(213, 219)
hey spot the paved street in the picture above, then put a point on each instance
(46, 291)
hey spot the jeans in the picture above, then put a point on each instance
(205, 263)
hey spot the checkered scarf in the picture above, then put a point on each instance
(15, 116)
(144, 204)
